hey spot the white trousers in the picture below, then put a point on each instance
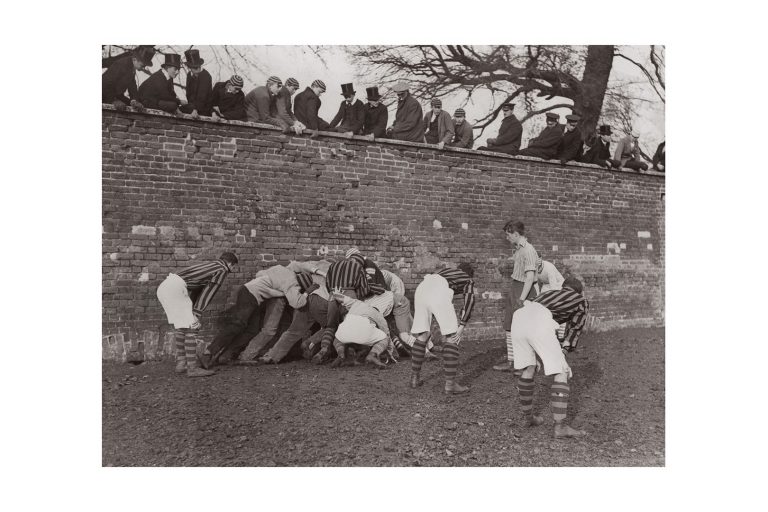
(358, 329)
(534, 333)
(172, 294)
(433, 297)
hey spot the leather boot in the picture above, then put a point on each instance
(454, 388)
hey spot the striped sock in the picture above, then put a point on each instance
(190, 351)
(450, 361)
(328, 336)
(178, 341)
(417, 354)
(559, 400)
(510, 350)
(525, 389)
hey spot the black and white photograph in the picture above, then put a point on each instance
(443, 255)
(382, 256)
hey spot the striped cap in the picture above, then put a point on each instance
(292, 82)
(436, 102)
(352, 251)
(460, 112)
(274, 80)
(319, 83)
(236, 80)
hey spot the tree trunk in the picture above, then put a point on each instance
(594, 83)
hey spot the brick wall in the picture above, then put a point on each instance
(177, 190)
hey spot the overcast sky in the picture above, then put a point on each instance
(333, 67)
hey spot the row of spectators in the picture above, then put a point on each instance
(273, 103)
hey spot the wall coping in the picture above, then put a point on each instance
(362, 138)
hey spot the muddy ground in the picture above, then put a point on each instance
(298, 414)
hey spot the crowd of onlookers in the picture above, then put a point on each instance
(274, 103)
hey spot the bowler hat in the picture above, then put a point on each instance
(193, 58)
(372, 93)
(172, 60)
(605, 130)
(144, 53)
(347, 90)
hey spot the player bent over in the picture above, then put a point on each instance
(434, 297)
(201, 281)
(534, 333)
(362, 325)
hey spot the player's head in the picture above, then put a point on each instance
(574, 284)
(514, 230)
(467, 269)
(229, 258)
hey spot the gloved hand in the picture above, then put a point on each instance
(119, 105)
(137, 105)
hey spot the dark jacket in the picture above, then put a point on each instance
(283, 105)
(199, 92)
(444, 126)
(120, 76)
(350, 117)
(409, 122)
(509, 137)
(157, 92)
(306, 107)
(375, 120)
(261, 106)
(599, 153)
(660, 157)
(231, 106)
(571, 147)
(463, 138)
(374, 274)
(546, 144)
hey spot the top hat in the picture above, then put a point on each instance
(172, 60)
(347, 90)
(193, 58)
(605, 130)
(144, 53)
(372, 93)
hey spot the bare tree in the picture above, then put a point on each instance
(577, 75)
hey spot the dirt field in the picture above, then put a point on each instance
(298, 414)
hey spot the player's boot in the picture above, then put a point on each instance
(319, 358)
(454, 388)
(506, 366)
(416, 380)
(181, 366)
(562, 431)
(373, 359)
(339, 361)
(199, 372)
(533, 420)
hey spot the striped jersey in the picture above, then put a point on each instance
(460, 282)
(350, 273)
(525, 259)
(204, 279)
(568, 307)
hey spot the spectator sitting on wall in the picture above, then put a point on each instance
(121, 77)
(438, 125)
(463, 136)
(599, 149)
(546, 144)
(199, 86)
(157, 90)
(628, 153)
(376, 115)
(261, 103)
(284, 110)
(510, 133)
(351, 114)
(408, 124)
(228, 100)
(659, 158)
(307, 105)
(571, 145)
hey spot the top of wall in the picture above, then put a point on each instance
(370, 140)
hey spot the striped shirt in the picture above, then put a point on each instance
(205, 278)
(525, 259)
(568, 307)
(383, 303)
(461, 283)
(306, 277)
(350, 273)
